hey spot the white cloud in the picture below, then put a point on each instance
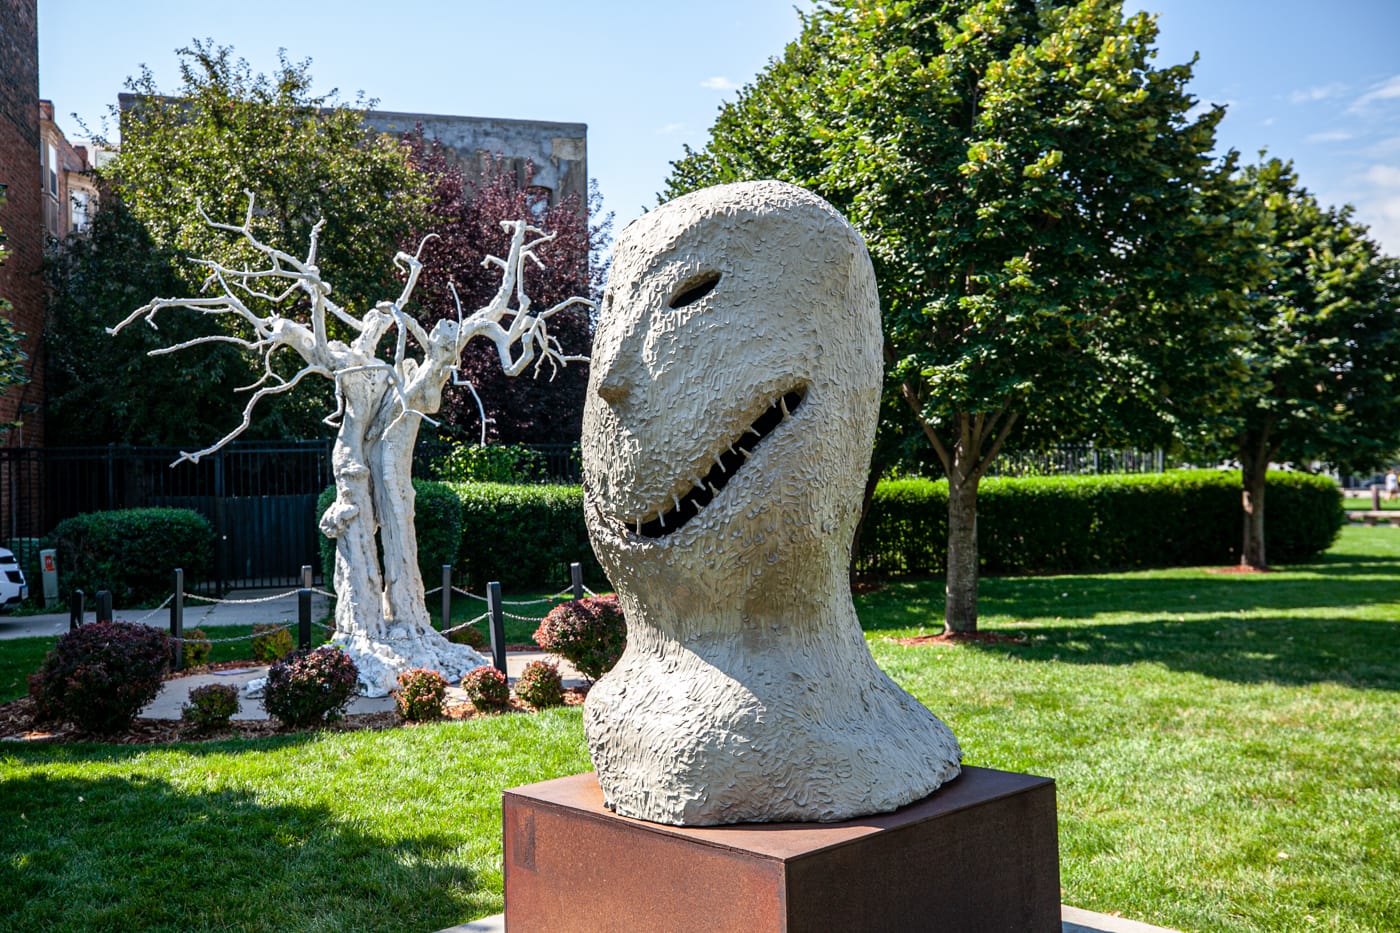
(1330, 136)
(1385, 90)
(718, 83)
(1319, 92)
(670, 129)
(1383, 176)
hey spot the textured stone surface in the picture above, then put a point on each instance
(747, 692)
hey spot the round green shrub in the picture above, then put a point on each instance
(131, 552)
(100, 675)
(590, 634)
(468, 635)
(420, 695)
(210, 707)
(535, 533)
(310, 687)
(271, 642)
(540, 685)
(198, 647)
(487, 688)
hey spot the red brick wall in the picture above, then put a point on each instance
(21, 217)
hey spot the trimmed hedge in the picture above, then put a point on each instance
(524, 536)
(1077, 524)
(437, 521)
(130, 552)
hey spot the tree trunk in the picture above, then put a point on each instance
(960, 610)
(1253, 470)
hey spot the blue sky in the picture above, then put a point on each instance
(1315, 83)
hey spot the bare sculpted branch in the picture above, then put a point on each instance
(381, 618)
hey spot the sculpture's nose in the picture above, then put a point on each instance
(613, 386)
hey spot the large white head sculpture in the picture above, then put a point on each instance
(727, 433)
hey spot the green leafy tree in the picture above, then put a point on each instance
(1048, 228)
(1323, 349)
(306, 157)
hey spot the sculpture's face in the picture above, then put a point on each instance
(731, 400)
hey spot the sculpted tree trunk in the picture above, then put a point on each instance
(381, 618)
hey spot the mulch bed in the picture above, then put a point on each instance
(1239, 568)
(17, 721)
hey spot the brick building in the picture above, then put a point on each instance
(22, 215)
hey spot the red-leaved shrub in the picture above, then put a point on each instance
(420, 695)
(100, 675)
(540, 685)
(589, 633)
(487, 688)
(311, 687)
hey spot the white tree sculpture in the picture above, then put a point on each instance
(381, 618)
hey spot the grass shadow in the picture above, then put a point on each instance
(113, 853)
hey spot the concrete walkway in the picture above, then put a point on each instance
(1072, 919)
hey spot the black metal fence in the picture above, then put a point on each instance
(259, 496)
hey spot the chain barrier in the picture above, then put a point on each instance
(457, 628)
(156, 609)
(320, 592)
(223, 641)
(511, 615)
(241, 602)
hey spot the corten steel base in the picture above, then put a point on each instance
(980, 854)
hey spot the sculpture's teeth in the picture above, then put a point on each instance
(783, 403)
(754, 431)
(677, 500)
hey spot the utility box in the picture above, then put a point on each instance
(48, 567)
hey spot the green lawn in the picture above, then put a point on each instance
(1224, 747)
(1364, 502)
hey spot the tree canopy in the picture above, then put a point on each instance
(306, 157)
(465, 216)
(1322, 347)
(1049, 229)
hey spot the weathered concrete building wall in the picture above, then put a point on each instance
(559, 151)
(21, 217)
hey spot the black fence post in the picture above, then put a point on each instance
(1375, 498)
(446, 597)
(177, 616)
(75, 610)
(304, 618)
(104, 605)
(576, 576)
(498, 626)
(306, 577)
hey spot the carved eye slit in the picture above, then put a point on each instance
(695, 288)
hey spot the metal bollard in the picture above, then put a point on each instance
(177, 616)
(576, 576)
(446, 597)
(75, 610)
(498, 626)
(104, 605)
(304, 618)
(1375, 498)
(306, 580)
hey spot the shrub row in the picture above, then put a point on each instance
(1075, 524)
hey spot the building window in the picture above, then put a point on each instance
(81, 205)
(53, 170)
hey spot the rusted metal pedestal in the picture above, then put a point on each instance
(981, 854)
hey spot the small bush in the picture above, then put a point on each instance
(99, 676)
(131, 552)
(540, 685)
(271, 642)
(210, 707)
(590, 634)
(487, 688)
(420, 695)
(468, 635)
(311, 687)
(198, 647)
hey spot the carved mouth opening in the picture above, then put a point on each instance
(727, 463)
